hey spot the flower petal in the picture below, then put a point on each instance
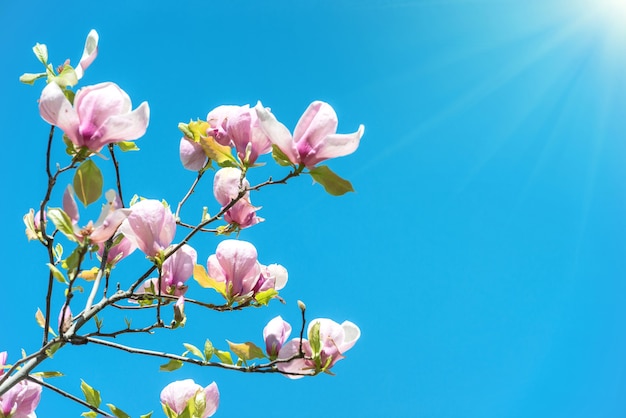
(277, 133)
(336, 145)
(191, 155)
(124, 127)
(317, 122)
(55, 109)
(90, 52)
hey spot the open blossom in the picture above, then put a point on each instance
(111, 217)
(235, 264)
(226, 185)
(239, 127)
(21, 400)
(177, 395)
(314, 139)
(335, 339)
(150, 226)
(102, 114)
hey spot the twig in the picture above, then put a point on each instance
(117, 174)
(191, 190)
(70, 396)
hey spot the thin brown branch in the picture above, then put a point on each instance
(117, 174)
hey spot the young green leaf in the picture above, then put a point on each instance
(224, 356)
(56, 273)
(92, 396)
(279, 156)
(194, 350)
(171, 365)
(88, 182)
(117, 412)
(208, 350)
(332, 183)
(246, 351)
(62, 222)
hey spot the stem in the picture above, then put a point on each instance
(190, 191)
(117, 173)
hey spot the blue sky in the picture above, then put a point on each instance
(482, 254)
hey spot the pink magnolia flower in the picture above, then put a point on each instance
(177, 395)
(335, 339)
(314, 139)
(150, 226)
(239, 127)
(176, 270)
(111, 217)
(275, 334)
(235, 264)
(21, 400)
(101, 115)
(226, 185)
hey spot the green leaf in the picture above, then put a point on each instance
(333, 184)
(41, 321)
(148, 415)
(71, 262)
(224, 356)
(314, 339)
(47, 375)
(194, 350)
(30, 78)
(246, 351)
(56, 273)
(62, 222)
(92, 396)
(67, 77)
(201, 276)
(264, 297)
(117, 412)
(171, 365)
(89, 414)
(208, 350)
(279, 156)
(126, 146)
(41, 52)
(53, 349)
(88, 182)
(58, 252)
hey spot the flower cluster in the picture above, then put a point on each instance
(327, 343)
(232, 140)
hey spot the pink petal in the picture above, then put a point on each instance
(109, 226)
(192, 155)
(124, 127)
(90, 52)
(275, 334)
(95, 104)
(277, 133)
(55, 109)
(212, 397)
(336, 145)
(317, 122)
(299, 367)
(69, 204)
(352, 334)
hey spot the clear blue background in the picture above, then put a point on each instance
(482, 254)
